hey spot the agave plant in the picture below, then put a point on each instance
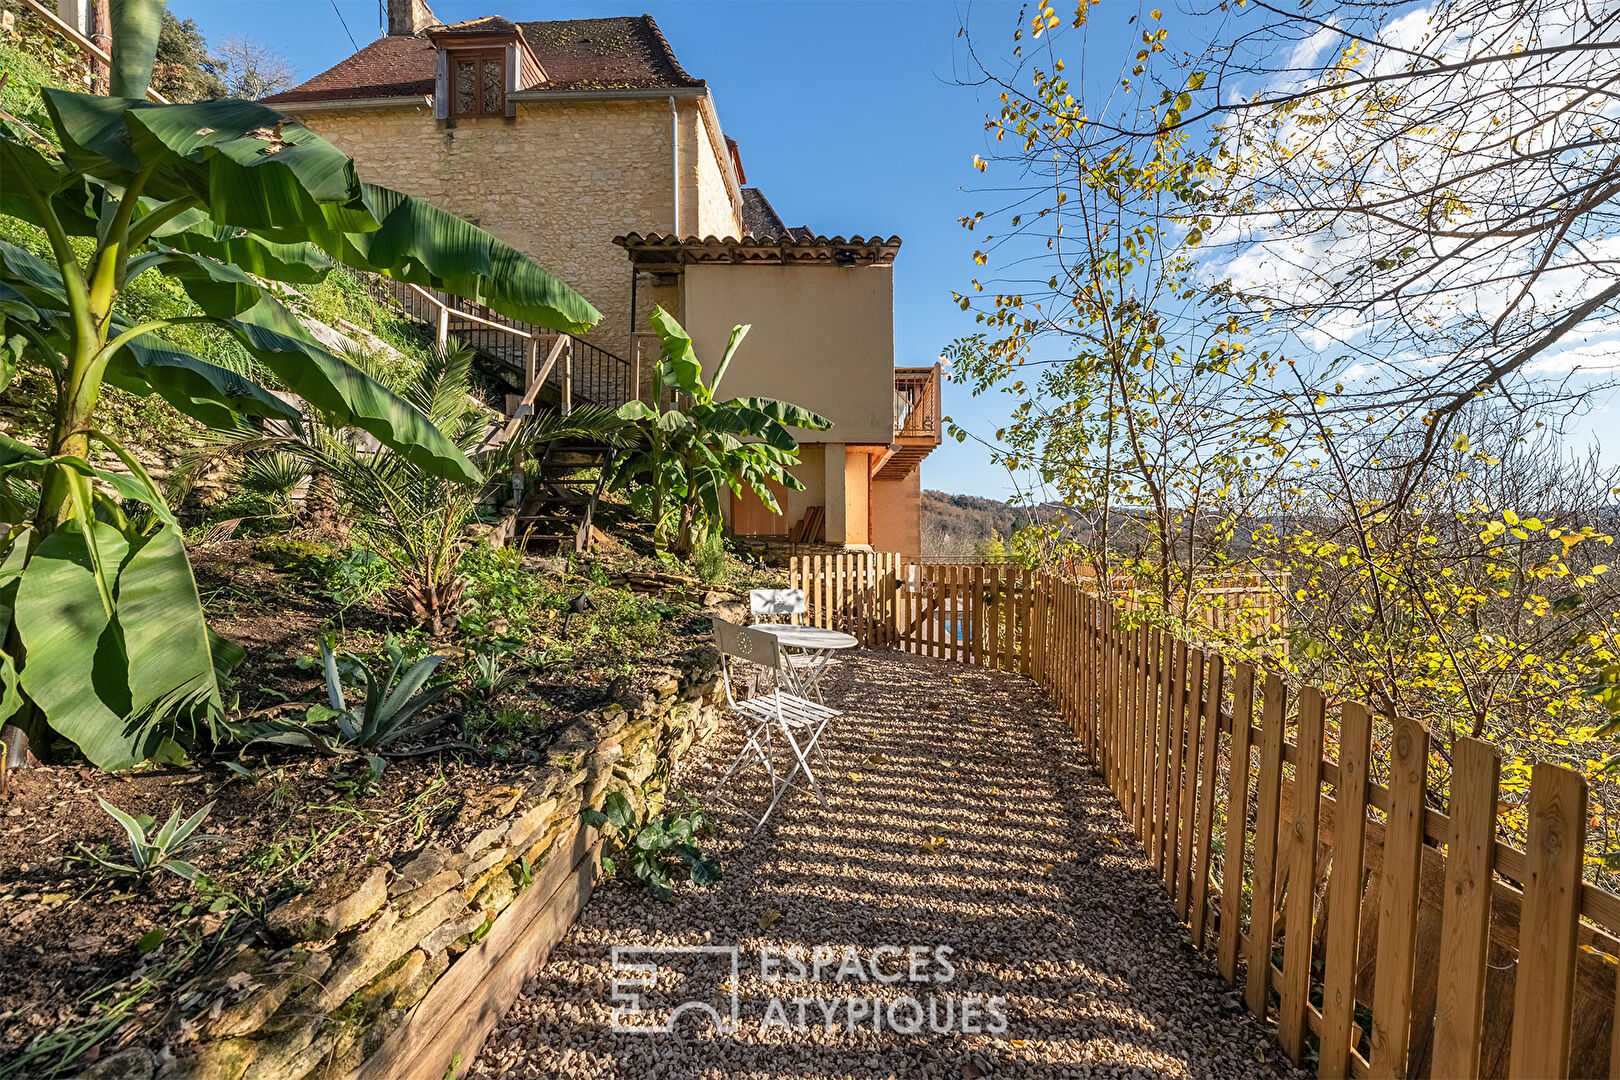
(387, 715)
(694, 450)
(150, 852)
(104, 638)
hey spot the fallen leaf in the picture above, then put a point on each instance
(936, 829)
(854, 776)
(876, 759)
(768, 920)
(932, 844)
(51, 899)
(1047, 868)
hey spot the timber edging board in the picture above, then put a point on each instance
(442, 1035)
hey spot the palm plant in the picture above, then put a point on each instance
(105, 641)
(413, 518)
(693, 450)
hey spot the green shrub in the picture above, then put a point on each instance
(709, 557)
(499, 591)
(656, 852)
(292, 553)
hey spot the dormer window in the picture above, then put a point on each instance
(478, 82)
(480, 64)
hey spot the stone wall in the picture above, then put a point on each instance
(349, 966)
(558, 182)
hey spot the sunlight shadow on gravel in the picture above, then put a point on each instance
(1036, 887)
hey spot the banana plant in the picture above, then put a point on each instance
(105, 641)
(695, 449)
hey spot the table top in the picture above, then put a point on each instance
(808, 637)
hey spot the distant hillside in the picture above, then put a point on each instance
(953, 524)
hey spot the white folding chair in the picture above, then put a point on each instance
(799, 720)
(765, 602)
(806, 668)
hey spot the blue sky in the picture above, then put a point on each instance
(848, 118)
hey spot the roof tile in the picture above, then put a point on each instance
(621, 53)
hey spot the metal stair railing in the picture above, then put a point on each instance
(584, 373)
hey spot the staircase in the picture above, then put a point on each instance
(562, 504)
(568, 480)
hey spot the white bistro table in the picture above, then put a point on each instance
(815, 645)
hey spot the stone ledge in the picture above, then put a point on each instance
(394, 971)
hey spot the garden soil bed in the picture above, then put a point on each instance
(67, 929)
(91, 960)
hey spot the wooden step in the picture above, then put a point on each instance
(575, 459)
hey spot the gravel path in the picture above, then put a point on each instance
(961, 816)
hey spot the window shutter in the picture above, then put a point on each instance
(441, 85)
(513, 69)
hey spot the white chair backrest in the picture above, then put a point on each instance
(746, 643)
(787, 602)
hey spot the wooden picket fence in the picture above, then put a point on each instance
(1383, 936)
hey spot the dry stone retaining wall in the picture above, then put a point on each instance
(395, 971)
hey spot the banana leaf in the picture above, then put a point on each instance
(296, 264)
(248, 164)
(136, 25)
(205, 392)
(344, 393)
(77, 672)
(171, 661)
(419, 243)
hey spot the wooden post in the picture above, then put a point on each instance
(1398, 899)
(441, 335)
(1459, 1010)
(1237, 820)
(1172, 766)
(1273, 708)
(1026, 629)
(1164, 670)
(568, 378)
(531, 363)
(1544, 993)
(1301, 905)
(1204, 836)
(1186, 816)
(1344, 892)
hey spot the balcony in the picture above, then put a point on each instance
(916, 422)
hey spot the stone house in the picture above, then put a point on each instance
(586, 144)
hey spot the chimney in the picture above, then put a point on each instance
(407, 18)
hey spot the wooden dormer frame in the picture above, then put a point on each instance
(520, 69)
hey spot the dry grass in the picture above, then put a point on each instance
(1035, 883)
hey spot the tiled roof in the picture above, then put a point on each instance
(622, 53)
(488, 24)
(796, 246)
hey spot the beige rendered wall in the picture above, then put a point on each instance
(822, 337)
(558, 182)
(812, 473)
(857, 496)
(897, 514)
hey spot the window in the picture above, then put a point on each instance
(478, 82)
